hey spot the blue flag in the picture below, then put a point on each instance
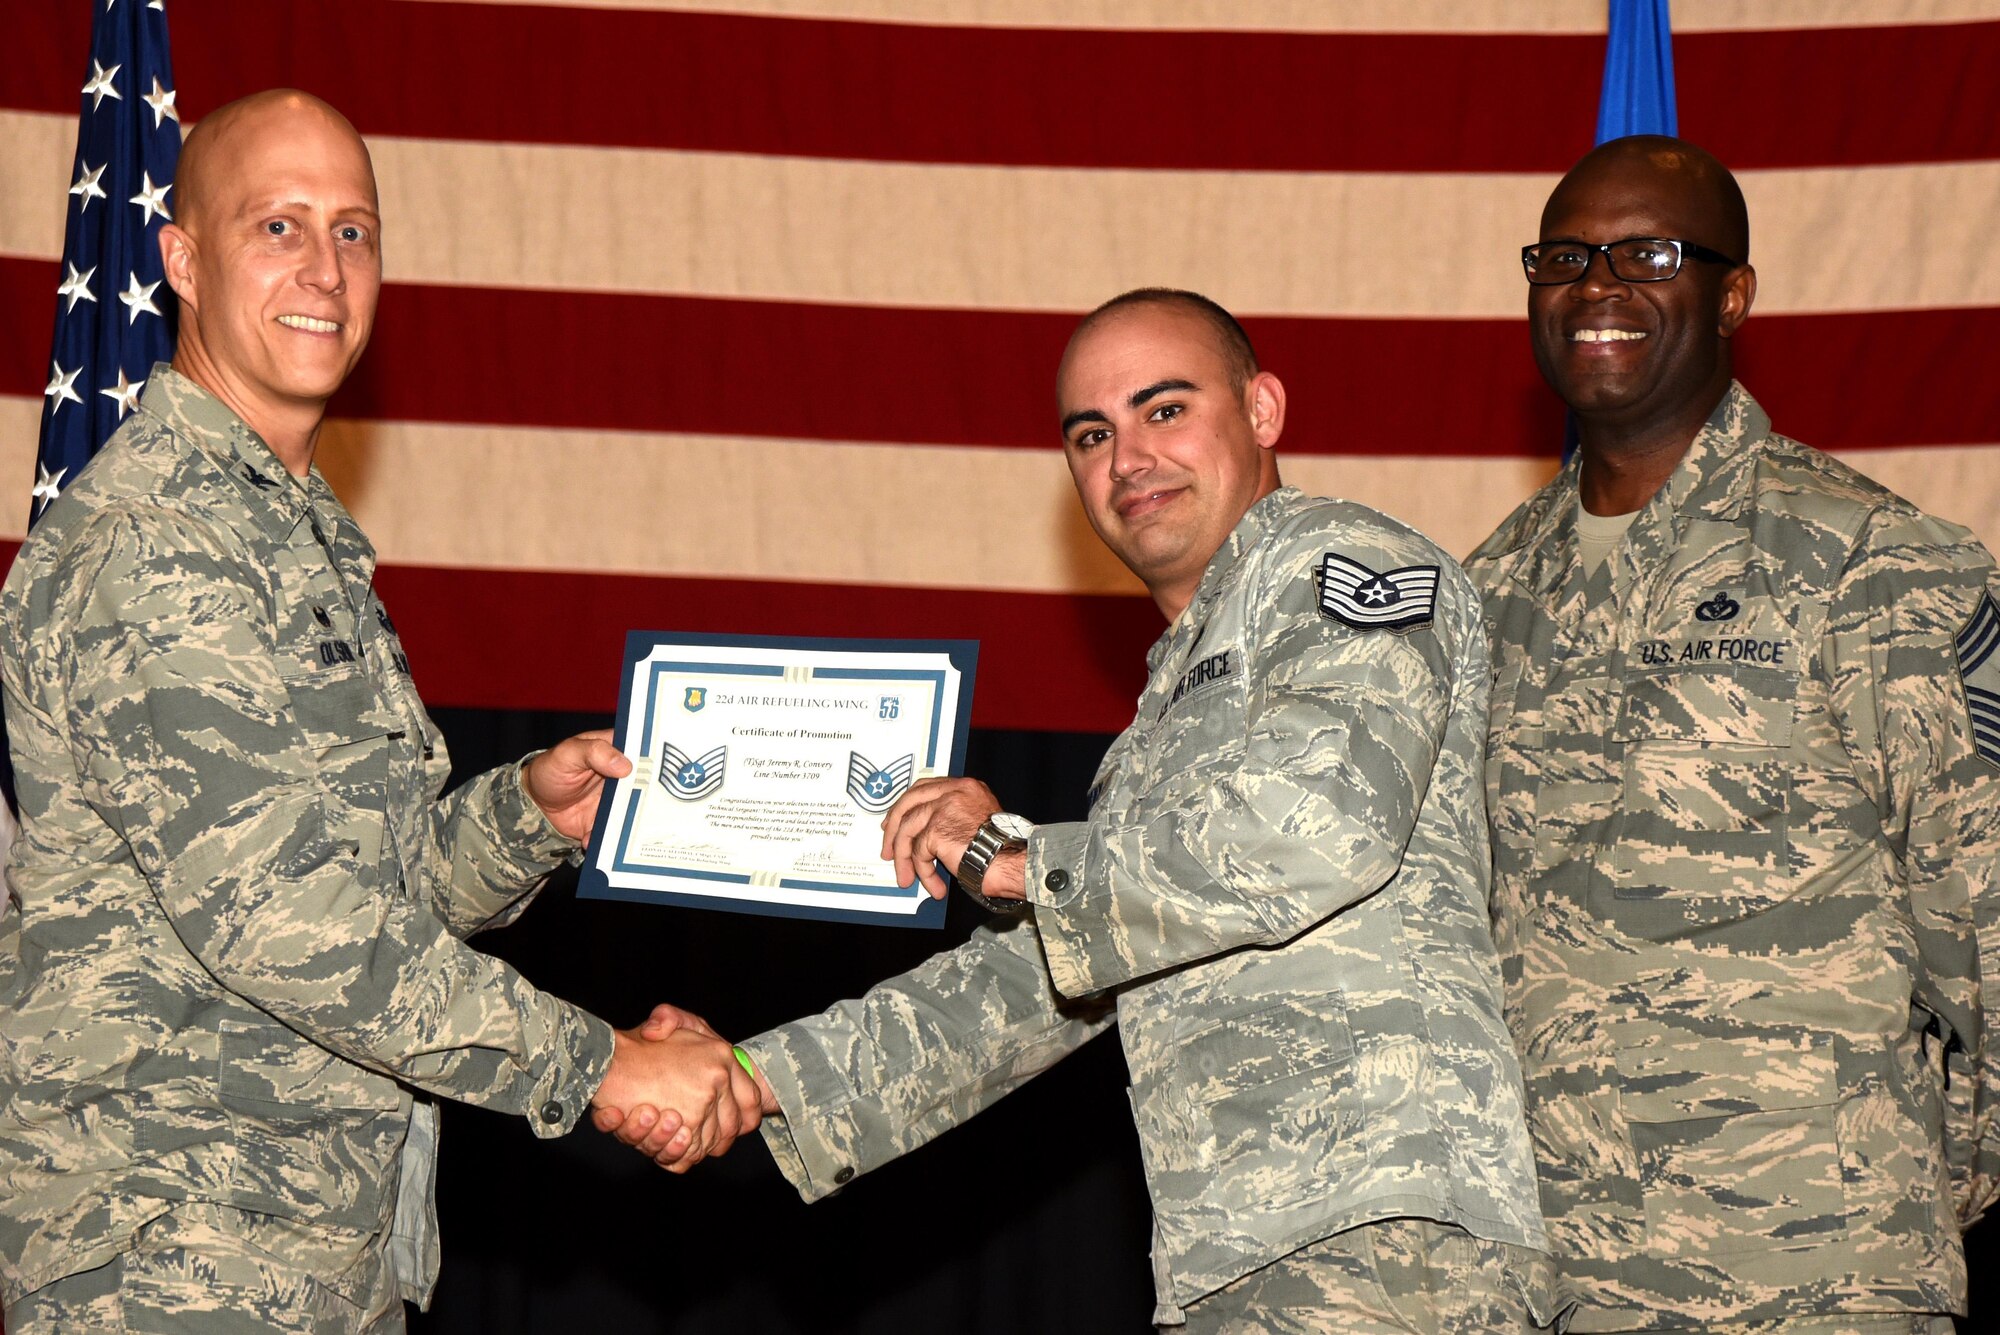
(114, 310)
(1637, 96)
(1638, 92)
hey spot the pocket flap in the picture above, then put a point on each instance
(1744, 706)
(1726, 1076)
(337, 705)
(268, 1065)
(1264, 1045)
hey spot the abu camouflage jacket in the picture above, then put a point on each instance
(1745, 791)
(233, 942)
(1280, 889)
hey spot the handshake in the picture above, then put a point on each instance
(676, 1092)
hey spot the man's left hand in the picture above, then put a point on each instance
(566, 780)
(933, 823)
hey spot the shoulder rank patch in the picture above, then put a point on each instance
(1365, 599)
(1979, 672)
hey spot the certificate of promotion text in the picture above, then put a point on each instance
(762, 767)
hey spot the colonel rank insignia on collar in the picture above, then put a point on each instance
(1979, 670)
(1365, 599)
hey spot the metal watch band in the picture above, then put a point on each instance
(978, 856)
(988, 842)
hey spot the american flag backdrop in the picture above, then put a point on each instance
(108, 336)
(743, 315)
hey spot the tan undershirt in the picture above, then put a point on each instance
(1598, 535)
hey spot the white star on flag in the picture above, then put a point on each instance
(47, 484)
(139, 297)
(100, 87)
(62, 386)
(152, 198)
(125, 392)
(76, 287)
(161, 100)
(86, 183)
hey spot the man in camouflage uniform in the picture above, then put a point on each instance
(232, 957)
(1279, 894)
(1745, 816)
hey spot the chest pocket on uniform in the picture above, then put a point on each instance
(347, 731)
(1198, 727)
(1706, 782)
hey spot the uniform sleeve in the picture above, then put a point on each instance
(186, 743)
(872, 1079)
(1910, 645)
(495, 849)
(1304, 815)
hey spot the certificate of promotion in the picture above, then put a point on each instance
(762, 767)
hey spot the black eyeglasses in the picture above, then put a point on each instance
(1636, 259)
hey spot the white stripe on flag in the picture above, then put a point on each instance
(1015, 238)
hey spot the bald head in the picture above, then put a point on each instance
(1704, 191)
(275, 254)
(1642, 361)
(1231, 343)
(235, 135)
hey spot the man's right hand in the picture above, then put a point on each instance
(657, 1135)
(705, 1100)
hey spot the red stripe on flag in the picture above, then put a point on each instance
(1085, 98)
(503, 639)
(867, 373)
(521, 640)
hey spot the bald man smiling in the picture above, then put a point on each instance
(232, 963)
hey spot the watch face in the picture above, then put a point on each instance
(1012, 826)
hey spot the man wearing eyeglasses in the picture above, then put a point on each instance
(1744, 777)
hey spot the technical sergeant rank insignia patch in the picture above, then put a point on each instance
(876, 787)
(691, 778)
(1979, 673)
(1365, 599)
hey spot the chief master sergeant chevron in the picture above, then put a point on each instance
(233, 943)
(1279, 893)
(1745, 789)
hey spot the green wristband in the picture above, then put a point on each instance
(742, 1057)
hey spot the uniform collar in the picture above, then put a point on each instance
(271, 496)
(1259, 519)
(1711, 481)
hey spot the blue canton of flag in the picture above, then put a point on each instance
(113, 307)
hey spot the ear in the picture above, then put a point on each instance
(177, 258)
(1265, 398)
(1739, 292)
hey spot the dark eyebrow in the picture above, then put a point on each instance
(1151, 391)
(1138, 400)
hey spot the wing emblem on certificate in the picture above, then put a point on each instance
(762, 766)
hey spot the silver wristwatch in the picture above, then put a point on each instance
(1002, 832)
